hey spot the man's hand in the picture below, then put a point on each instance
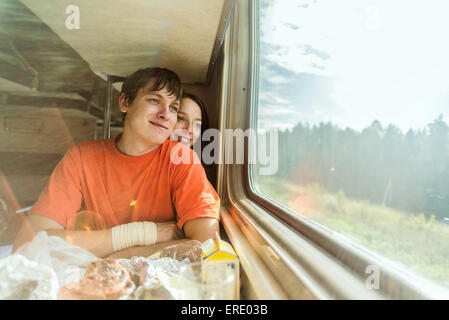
(168, 231)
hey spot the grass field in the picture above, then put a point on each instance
(405, 237)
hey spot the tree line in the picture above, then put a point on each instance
(407, 171)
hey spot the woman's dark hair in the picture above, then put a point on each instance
(163, 78)
(209, 169)
(204, 117)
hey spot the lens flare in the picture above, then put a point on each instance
(86, 220)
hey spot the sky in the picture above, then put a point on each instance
(352, 62)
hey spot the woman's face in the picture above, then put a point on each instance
(188, 128)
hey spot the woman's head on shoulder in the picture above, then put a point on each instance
(192, 120)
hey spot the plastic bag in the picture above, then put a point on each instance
(69, 262)
(104, 279)
(190, 250)
(178, 272)
(145, 273)
(150, 276)
(22, 279)
(153, 274)
(167, 278)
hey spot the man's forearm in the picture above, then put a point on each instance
(144, 251)
(99, 242)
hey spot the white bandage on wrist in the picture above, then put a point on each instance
(133, 234)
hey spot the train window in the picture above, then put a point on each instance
(354, 96)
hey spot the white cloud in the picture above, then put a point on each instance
(268, 124)
(274, 110)
(277, 80)
(389, 59)
(271, 97)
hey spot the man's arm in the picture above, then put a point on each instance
(99, 242)
(196, 201)
(199, 229)
(144, 251)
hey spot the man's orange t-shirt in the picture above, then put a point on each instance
(95, 177)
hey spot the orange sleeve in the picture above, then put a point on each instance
(62, 197)
(193, 195)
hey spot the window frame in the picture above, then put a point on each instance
(303, 270)
(295, 239)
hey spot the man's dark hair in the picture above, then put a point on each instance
(163, 78)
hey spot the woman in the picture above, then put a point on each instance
(192, 123)
(192, 120)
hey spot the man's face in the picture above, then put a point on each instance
(152, 115)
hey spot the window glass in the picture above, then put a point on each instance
(50, 100)
(356, 94)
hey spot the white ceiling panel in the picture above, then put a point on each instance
(118, 37)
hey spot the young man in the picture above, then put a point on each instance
(138, 197)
